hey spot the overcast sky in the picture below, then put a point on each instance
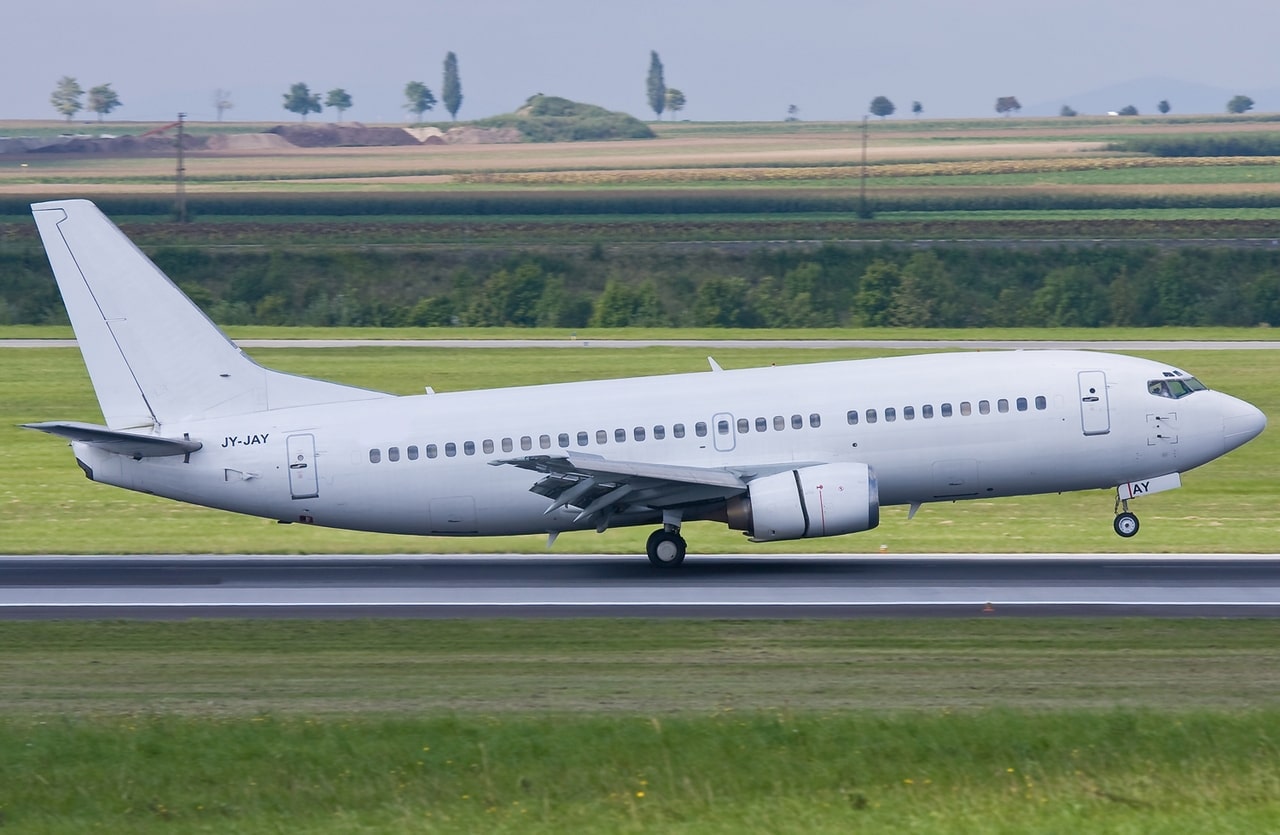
(744, 60)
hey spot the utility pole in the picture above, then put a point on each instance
(863, 211)
(180, 204)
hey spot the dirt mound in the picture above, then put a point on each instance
(334, 136)
(247, 142)
(483, 136)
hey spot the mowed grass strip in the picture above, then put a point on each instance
(612, 726)
(47, 506)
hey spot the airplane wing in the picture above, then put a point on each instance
(601, 488)
(113, 440)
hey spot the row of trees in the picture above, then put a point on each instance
(67, 94)
(879, 286)
(418, 96)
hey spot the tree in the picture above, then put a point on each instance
(656, 87)
(1240, 104)
(675, 100)
(103, 100)
(339, 99)
(881, 106)
(916, 108)
(1007, 104)
(1128, 110)
(1068, 110)
(222, 101)
(1163, 106)
(302, 101)
(793, 113)
(452, 89)
(418, 98)
(66, 97)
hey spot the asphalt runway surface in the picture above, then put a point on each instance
(728, 586)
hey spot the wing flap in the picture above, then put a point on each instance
(120, 443)
(599, 487)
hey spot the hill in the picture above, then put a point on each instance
(554, 119)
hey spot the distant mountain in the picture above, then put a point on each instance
(1185, 98)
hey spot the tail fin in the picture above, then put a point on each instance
(152, 355)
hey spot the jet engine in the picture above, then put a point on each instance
(822, 500)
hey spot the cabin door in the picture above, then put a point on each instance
(303, 481)
(1095, 412)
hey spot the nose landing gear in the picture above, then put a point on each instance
(1126, 523)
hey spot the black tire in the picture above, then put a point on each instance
(666, 548)
(1126, 524)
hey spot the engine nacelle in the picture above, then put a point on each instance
(823, 500)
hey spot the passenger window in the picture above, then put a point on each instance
(1022, 404)
(908, 412)
(619, 435)
(487, 446)
(815, 420)
(375, 455)
(660, 432)
(946, 410)
(469, 448)
(797, 422)
(762, 424)
(544, 442)
(744, 426)
(393, 454)
(984, 407)
(563, 440)
(583, 439)
(872, 416)
(526, 443)
(700, 429)
(926, 411)
(722, 427)
(678, 430)
(965, 408)
(1041, 403)
(779, 423)
(602, 437)
(432, 452)
(450, 449)
(508, 444)
(852, 417)
(1002, 405)
(638, 433)
(890, 415)
(413, 453)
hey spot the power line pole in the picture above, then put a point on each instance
(180, 204)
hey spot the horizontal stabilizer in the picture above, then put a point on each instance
(121, 443)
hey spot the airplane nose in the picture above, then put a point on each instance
(1242, 424)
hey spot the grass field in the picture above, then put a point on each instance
(607, 726)
(48, 507)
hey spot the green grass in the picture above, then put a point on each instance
(47, 506)
(624, 726)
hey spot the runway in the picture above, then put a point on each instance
(729, 586)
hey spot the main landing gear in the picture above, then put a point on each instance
(1126, 523)
(666, 548)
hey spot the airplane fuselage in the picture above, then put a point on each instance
(935, 427)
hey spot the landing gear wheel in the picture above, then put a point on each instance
(666, 548)
(1126, 524)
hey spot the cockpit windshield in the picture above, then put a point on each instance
(1175, 387)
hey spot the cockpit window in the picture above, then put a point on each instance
(1176, 387)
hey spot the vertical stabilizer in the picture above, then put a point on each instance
(153, 356)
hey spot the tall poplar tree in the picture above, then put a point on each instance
(452, 89)
(657, 87)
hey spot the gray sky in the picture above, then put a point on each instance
(734, 61)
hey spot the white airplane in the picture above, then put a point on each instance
(779, 453)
